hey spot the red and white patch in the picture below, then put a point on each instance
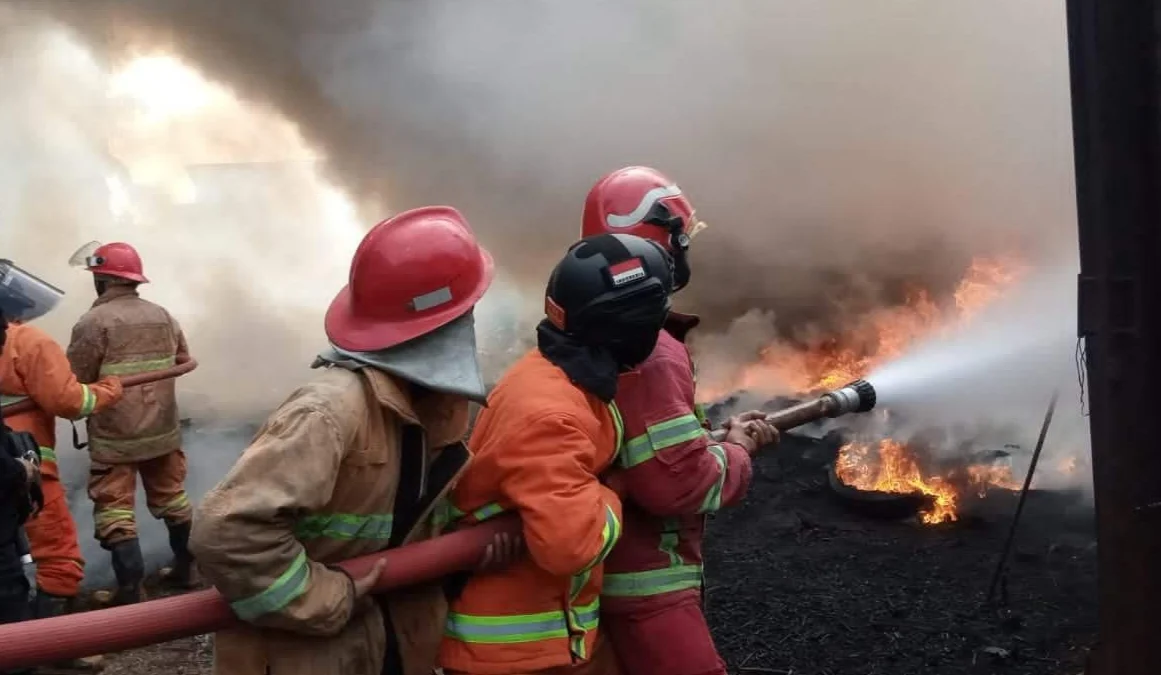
(627, 272)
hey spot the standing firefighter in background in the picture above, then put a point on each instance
(669, 473)
(548, 432)
(352, 463)
(124, 334)
(33, 366)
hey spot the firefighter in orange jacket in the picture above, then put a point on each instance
(35, 367)
(669, 472)
(548, 432)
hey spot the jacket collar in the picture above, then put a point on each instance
(444, 417)
(115, 292)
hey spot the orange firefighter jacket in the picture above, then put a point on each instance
(537, 449)
(34, 366)
(124, 334)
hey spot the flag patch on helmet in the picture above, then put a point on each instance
(626, 272)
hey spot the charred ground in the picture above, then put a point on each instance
(800, 584)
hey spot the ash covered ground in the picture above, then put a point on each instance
(798, 583)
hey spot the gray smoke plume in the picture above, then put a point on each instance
(839, 151)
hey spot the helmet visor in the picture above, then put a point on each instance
(85, 256)
(24, 297)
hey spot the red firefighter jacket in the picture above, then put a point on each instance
(674, 475)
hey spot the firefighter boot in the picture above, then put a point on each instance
(47, 606)
(180, 573)
(129, 568)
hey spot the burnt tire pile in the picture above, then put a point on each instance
(798, 583)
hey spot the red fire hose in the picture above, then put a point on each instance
(183, 366)
(32, 643)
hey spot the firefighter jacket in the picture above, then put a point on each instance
(34, 366)
(537, 449)
(674, 475)
(319, 484)
(124, 334)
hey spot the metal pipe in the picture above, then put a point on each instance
(32, 643)
(857, 397)
(184, 365)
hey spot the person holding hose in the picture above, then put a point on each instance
(354, 462)
(125, 334)
(549, 430)
(669, 473)
(33, 366)
(19, 495)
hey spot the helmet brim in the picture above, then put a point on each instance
(357, 334)
(128, 276)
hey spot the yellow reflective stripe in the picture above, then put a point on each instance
(521, 628)
(9, 400)
(178, 503)
(652, 582)
(610, 533)
(660, 436)
(285, 589)
(106, 517)
(713, 496)
(88, 402)
(135, 367)
(669, 541)
(47, 454)
(699, 412)
(618, 425)
(345, 526)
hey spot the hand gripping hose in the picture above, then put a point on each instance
(103, 631)
(184, 365)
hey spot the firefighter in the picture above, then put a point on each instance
(124, 334)
(550, 428)
(19, 481)
(669, 473)
(354, 462)
(33, 366)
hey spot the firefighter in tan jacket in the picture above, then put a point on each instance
(124, 334)
(352, 463)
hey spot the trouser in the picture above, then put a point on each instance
(52, 536)
(113, 489)
(673, 639)
(603, 662)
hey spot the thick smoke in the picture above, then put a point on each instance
(838, 150)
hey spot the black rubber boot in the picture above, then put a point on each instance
(181, 572)
(129, 567)
(47, 606)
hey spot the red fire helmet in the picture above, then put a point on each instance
(629, 201)
(411, 274)
(117, 260)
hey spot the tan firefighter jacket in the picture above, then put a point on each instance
(317, 486)
(124, 334)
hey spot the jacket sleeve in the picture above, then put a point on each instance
(48, 377)
(86, 350)
(671, 466)
(182, 345)
(243, 533)
(571, 521)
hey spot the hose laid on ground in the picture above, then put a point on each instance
(184, 365)
(103, 631)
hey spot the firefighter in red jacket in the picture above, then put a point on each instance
(670, 473)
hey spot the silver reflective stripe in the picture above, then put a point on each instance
(520, 627)
(652, 582)
(432, 299)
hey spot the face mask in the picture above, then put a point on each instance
(633, 346)
(101, 285)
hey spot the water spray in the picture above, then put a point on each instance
(857, 397)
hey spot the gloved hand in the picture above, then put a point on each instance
(750, 431)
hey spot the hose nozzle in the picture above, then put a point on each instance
(857, 397)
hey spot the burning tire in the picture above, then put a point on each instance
(875, 504)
